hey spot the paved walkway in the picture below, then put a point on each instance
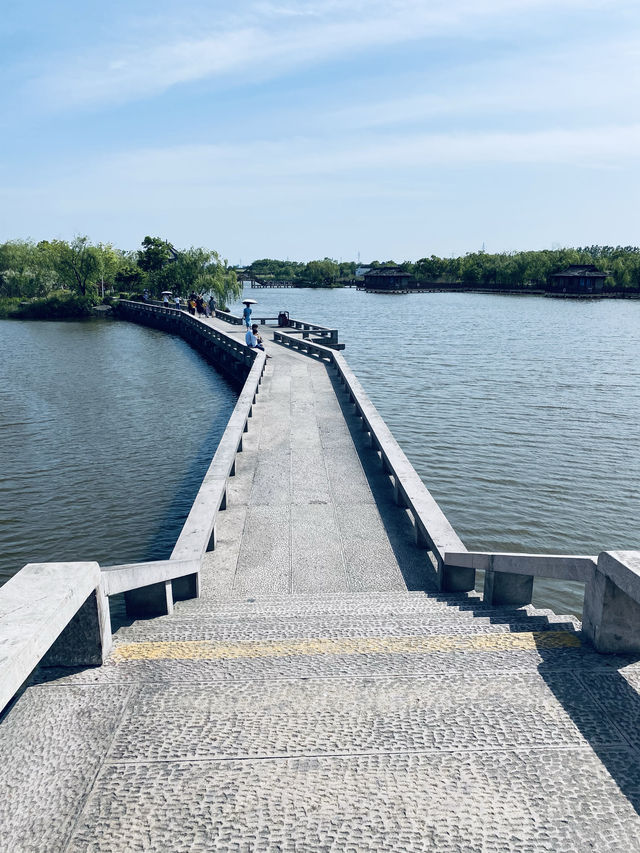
(302, 516)
(320, 695)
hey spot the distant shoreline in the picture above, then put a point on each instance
(507, 292)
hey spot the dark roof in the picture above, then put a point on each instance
(581, 271)
(387, 272)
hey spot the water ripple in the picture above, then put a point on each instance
(106, 430)
(520, 414)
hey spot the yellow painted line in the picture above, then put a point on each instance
(207, 650)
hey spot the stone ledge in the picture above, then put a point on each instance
(54, 608)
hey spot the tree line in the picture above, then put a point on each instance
(30, 270)
(90, 271)
(322, 273)
(508, 270)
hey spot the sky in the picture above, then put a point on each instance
(329, 128)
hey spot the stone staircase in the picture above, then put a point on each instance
(395, 721)
(367, 615)
(362, 722)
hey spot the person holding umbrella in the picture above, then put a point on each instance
(246, 313)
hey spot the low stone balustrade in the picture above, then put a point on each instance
(55, 613)
(611, 612)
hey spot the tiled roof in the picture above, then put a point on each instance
(584, 271)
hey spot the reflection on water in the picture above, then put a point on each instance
(520, 414)
(106, 431)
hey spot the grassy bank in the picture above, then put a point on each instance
(59, 305)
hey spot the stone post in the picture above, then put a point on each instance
(153, 600)
(457, 578)
(507, 588)
(87, 638)
(611, 617)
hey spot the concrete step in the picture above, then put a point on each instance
(353, 602)
(356, 605)
(343, 715)
(260, 627)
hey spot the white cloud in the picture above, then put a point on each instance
(542, 83)
(292, 196)
(599, 147)
(277, 177)
(271, 38)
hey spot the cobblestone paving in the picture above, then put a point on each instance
(310, 702)
(504, 801)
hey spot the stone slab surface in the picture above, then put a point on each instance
(52, 743)
(264, 562)
(317, 558)
(450, 803)
(371, 603)
(618, 694)
(299, 457)
(311, 626)
(342, 716)
(372, 665)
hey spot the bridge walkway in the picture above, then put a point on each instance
(304, 515)
(321, 695)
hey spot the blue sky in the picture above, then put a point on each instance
(396, 129)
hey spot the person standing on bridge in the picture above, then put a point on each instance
(246, 315)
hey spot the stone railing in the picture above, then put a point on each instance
(228, 317)
(432, 529)
(229, 355)
(321, 334)
(611, 618)
(611, 610)
(151, 588)
(58, 613)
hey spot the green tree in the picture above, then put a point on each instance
(110, 262)
(279, 270)
(129, 276)
(76, 264)
(25, 270)
(201, 270)
(347, 270)
(321, 273)
(155, 254)
(430, 269)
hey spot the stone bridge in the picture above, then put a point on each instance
(312, 669)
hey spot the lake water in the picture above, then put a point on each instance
(521, 414)
(106, 431)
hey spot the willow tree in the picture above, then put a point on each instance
(77, 264)
(201, 270)
(26, 270)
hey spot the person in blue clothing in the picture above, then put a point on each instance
(253, 339)
(246, 314)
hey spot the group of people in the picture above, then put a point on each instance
(197, 304)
